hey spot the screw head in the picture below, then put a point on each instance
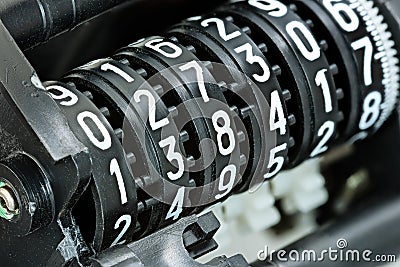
(26, 197)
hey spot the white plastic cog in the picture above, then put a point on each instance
(301, 189)
(246, 218)
(386, 53)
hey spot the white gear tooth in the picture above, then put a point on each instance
(339, 93)
(311, 182)
(184, 136)
(379, 55)
(235, 110)
(124, 61)
(263, 220)
(340, 116)
(354, 5)
(334, 69)
(263, 47)
(392, 53)
(246, 110)
(289, 206)
(119, 133)
(241, 137)
(291, 119)
(261, 198)
(105, 111)
(292, 142)
(260, 212)
(222, 84)
(310, 23)
(208, 65)
(190, 161)
(301, 195)
(159, 89)
(229, 18)
(281, 185)
(242, 160)
(246, 30)
(191, 49)
(374, 13)
(323, 45)
(371, 29)
(308, 201)
(286, 94)
(386, 53)
(131, 158)
(277, 70)
(142, 72)
(173, 38)
(88, 95)
(383, 27)
(387, 35)
(173, 111)
(234, 87)
(293, 7)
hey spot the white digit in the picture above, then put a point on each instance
(222, 130)
(327, 130)
(106, 138)
(65, 93)
(173, 156)
(221, 29)
(226, 187)
(322, 81)
(251, 58)
(343, 14)
(118, 71)
(177, 51)
(365, 43)
(357, 137)
(371, 109)
(277, 110)
(152, 109)
(176, 205)
(116, 170)
(315, 51)
(278, 161)
(128, 220)
(275, 8)
(200, 78)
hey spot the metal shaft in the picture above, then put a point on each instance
(32, 22)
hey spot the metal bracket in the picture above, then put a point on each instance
(171, 247)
